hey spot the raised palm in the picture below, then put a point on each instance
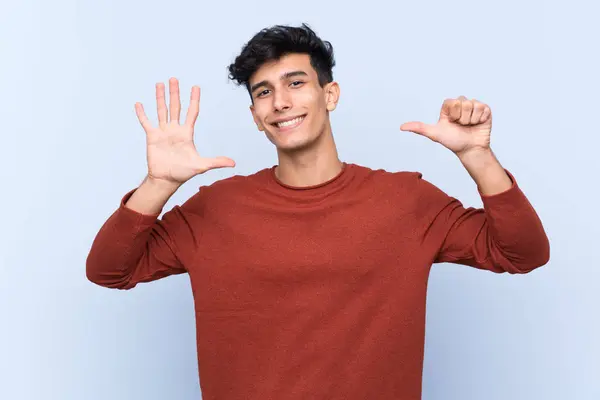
(171, 152)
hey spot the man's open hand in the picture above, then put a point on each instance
(171, 153)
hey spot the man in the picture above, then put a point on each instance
(310, 277)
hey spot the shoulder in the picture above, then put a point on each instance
(235, 184)
(407, 187)
(390, 179)
(225, 191)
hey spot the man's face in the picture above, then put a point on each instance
(289, 104)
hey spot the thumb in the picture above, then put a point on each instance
(220, 162)
(207, 164)
(419, 128)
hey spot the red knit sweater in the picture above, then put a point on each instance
(316, 292)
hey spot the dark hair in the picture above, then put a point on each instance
(270, 44)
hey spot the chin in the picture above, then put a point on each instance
(297, 143)
(292, 147)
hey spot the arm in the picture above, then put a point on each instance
(506, 235)
(135, 246)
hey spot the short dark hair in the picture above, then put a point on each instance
(270, 44)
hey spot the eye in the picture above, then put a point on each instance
(297, 83)
(261, 94)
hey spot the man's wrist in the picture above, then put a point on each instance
(485, 169)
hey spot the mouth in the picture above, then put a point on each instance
(290, 124)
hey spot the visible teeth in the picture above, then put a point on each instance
(290, 122)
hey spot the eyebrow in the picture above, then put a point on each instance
(287, 75)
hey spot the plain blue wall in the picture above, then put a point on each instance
(71, 146)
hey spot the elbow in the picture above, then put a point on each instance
(91, 271)
(539, 251)
(95, 277)
(111, 280)
(531, 266)
(534, 260)
(542, 255)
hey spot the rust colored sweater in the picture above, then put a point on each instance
(315, 292)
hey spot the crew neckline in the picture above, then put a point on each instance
(312, 193)
(340, 175)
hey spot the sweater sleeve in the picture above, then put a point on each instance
(131, 247)
(505, 235)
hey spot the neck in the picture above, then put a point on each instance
(311, 166)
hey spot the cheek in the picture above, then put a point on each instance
(314, 99)
(259, 116)
(318, 109)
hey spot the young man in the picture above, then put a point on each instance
(310, 277)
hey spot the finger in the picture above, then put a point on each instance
(446, 109)
(478, 108)
(220, 162)
(466, 111)
(161, 105)
(455, 108)
(142, 117)
(486, 115)
(175, 105)
(420, 128)
(194, 108)
(216, 162)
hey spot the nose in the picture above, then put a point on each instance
(281, 101)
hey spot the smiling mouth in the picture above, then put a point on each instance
(289, 124)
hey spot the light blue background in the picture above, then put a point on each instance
(71, 146)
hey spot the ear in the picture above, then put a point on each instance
(332, 95)
(256, 119)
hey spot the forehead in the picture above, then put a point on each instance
(273, 70)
